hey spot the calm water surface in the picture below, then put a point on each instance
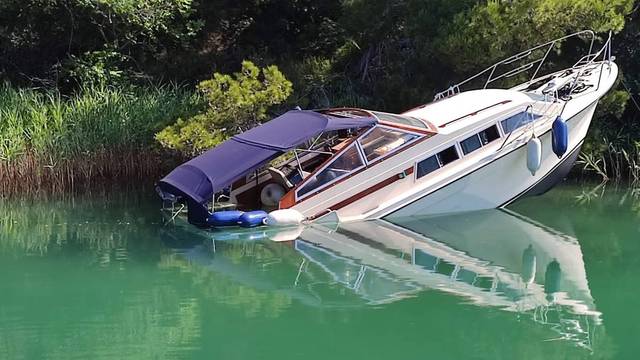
(554, 277)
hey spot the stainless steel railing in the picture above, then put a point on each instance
(495, 72)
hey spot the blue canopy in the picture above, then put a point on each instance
(216, 169)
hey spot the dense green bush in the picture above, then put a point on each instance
(234, 104)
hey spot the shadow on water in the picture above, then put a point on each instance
(552, 277)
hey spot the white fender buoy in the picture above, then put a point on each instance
(284, 217)
(534, 154)
(271, 194)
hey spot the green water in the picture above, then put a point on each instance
(102, 277)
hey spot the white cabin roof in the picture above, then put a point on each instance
(462, 108)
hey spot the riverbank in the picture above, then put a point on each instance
(56, 143)
(31, 174)
(104, 136)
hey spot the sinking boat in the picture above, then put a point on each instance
(465, 151)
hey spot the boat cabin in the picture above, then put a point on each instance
(294, 156)
(327, 159)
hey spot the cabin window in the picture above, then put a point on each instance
(381, 141)
(448, 155)
(437, 161)
(488, 135)
(345, 163)
(517, 121)
(480, 139)
(427, 166)
(471, 144)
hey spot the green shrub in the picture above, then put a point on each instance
(234, 103)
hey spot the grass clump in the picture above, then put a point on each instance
(53, 142)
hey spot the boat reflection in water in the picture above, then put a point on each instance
(494, 258)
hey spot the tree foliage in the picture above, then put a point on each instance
(234, 103)
(384, 54)
(39, 39)
(496, 28)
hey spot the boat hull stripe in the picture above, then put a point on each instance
(388, 181)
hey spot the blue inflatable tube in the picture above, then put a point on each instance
(224, 218)
(559, 137)
(252, 218)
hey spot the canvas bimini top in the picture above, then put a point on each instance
(200, 178)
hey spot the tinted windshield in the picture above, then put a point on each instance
(341, 166)
(381, 141)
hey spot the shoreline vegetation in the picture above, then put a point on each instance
(108, 138)
(100, 136)
(87, 97)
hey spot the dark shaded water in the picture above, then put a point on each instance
(555, 277)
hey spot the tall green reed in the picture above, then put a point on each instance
(618, 160)
(49, 141)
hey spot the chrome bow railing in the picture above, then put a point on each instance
(497, 71)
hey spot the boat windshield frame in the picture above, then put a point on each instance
(402, 121)
(351, 143)
(411, 123)
(419, 134)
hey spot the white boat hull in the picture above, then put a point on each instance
(501, 181)
(491, 177)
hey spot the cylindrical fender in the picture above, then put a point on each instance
(534, 155)
(559, 137)
(224, 218)
(252, 218)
